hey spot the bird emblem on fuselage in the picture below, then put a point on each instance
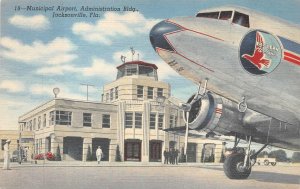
(258, 57)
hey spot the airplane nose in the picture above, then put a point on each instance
(158, 37)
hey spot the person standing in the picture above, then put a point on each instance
(6, 156)
(172, 156)
(176, 156)
(166, 155)
(99, 154)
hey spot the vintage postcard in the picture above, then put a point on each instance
(149, 94)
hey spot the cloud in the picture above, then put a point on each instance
(100, 68)
(165, 71)
(47, 90)
(12, 86)
(57, 70)
(37, 22)
(113, 25)
(10, 109)
(59, 51)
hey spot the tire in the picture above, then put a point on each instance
(231, 167)
(273, 163)
(266, 162)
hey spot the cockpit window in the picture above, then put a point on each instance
(225, 15)
(214, 15)
(241, 19)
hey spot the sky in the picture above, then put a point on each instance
(39, 52)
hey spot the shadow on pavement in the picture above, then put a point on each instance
(275, 177)
(262, 176)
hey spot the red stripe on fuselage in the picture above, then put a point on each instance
(184, 28)
(291, 57)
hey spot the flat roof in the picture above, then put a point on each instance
(139, 63)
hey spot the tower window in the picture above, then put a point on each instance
(111, 94)
(116, 92)
(152, 120)
(105, 121)
(87, 119)
(140, 91)
(138, 120)
(160, 92)
(150, 93)
(160, 121)
(128, 119)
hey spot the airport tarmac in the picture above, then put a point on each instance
(155, 176)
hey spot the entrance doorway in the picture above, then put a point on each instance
(172, 145)
(48, 144)
(191, 152)
(208, 153)
(73, 148)
(155, 151)
(132, 151)
(104, 143)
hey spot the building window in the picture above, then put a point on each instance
(152, 120)
(34, 124)
(44, 120)
(160, 92)
(107, 97)
(160, 121)
(150, 93)
(128, 119)
(145, 70)
(116, 92)
(172, 121)
(30, 125)
(111, 94)
(87, 119)
(52, 118)
(105, 121)
(131, 70)
(138, 120)
(140, 91)
(60, 117)
(39, 122)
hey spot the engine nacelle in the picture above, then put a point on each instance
(214, 113)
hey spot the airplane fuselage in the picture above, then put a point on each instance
(259, 61)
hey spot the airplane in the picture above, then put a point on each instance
(247, 66)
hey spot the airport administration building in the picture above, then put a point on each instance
(127, 117)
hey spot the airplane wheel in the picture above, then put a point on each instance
(233, 167)
(273, 163)
(266, 162)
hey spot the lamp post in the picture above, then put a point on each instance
(19, 144)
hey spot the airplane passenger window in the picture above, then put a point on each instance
(225, 15)
(209, 15)
(241, 19)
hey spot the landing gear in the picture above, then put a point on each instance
(234, 167)
(238, 165)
